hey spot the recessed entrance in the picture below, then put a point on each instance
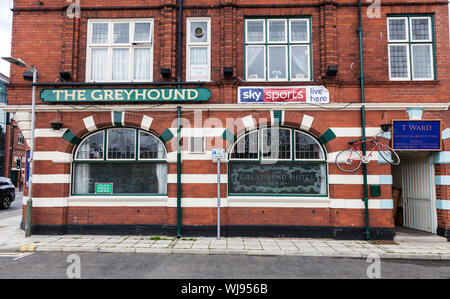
(414, 192)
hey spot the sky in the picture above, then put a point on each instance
(5, 33)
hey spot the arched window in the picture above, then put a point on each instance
(120, 161)
(277, 161)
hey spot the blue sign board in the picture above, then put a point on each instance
(416, 135)
(27, 175)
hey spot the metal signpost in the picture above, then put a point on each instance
(218, 153)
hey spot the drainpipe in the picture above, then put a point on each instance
(363, 121)
(179, 45)
(179, 172)
(179, 38)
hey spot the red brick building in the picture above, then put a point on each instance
(15, 149)
(144, 96)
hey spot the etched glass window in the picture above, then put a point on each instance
(92, 147)
(121, 143)
(282, 168)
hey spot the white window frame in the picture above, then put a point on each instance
(431, 62)
(264, 31)
(314, 139)
(286, 31)
(409, 42)
(288, 43)
(138, 148)
(308, 32)
(262, 144)
(190, 45)
(430, 31)
(84, 140)
(20, 138)
(406, 30)
(257, 146)
(107, 145)
(131, 45)
(408, 63)
(191, 146)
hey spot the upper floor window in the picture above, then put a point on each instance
(278, 49)
(198, 52)
(20, 138)
(411, 48)
(120, 50)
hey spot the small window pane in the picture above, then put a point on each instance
(421, 55)
(277, 62)
(306, 147)
(99, 64)
(255, 62)
(420, 29)
(276, 144)
(399, 61)
(99, 33)
(141, 69)
(121, 143)
(196, 144)
(277, 31)
(121, 33)
(299, 30)
(255, 31)
(397, 29)
(92, 147)
(246, 147)
(299, 62)
(199, 32)
(142, 32)
(120, 64)
(151, 147)
(198, 63)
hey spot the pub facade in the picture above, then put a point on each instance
(134, 97)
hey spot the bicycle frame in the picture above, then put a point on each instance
(356, 147)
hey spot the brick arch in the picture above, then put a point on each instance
(103, 120)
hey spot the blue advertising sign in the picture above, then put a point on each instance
(294, 94)
(416, 135)
(27, 175)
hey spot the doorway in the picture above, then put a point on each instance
(414, 192)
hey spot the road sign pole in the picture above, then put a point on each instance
(218, 199)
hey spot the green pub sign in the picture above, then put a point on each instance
(126, 95)
(103, 188)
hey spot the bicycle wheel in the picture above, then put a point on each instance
(388, 154)
(349, 160)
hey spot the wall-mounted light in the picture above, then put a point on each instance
(166, 73)
(228, 71)
(385, 127)
(57, 123)
(332, 70)
(65, 76)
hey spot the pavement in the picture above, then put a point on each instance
(406, 245)
(416, 248)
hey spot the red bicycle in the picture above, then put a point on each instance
(350, 160)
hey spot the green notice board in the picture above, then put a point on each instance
(125, 95)
(103, 188)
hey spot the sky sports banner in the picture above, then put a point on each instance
(302, 94)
